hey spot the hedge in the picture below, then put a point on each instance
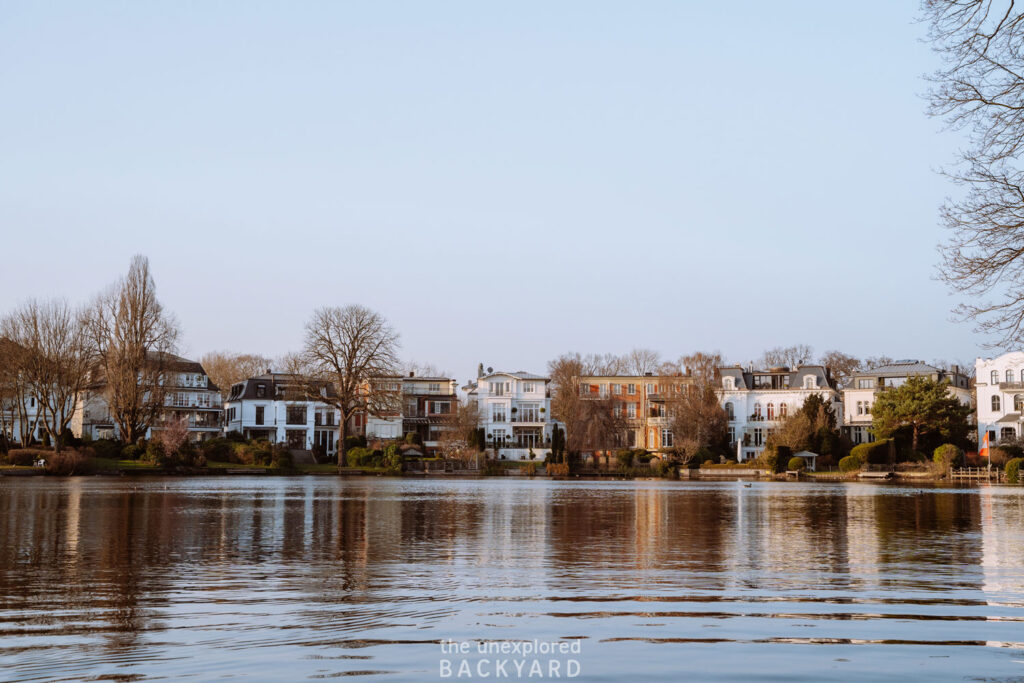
(1013, 471)
(850, 463)
(876, 452)
(946, 456)
(796, 463)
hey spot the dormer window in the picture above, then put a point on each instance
(261, 391)
(810, 382)
(728, 383)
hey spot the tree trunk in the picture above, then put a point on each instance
(913, 443)
(342, 434)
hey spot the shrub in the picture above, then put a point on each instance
(392, 458)
(558, 469)
(625, 457)
(155, 454)
(644, 457)
(1002, 455)
(355, 442)
(531, 469)
(703, 454)
(133, 451)
(492, 468)
(1013, 470)
(770, 460)
(947, 456)
(218, 450)
(850, 463)
(67, 463)
(876, 453)
(708, 462)
(107, 448)
(281, 457)
(23, 457)
(359, 456)
(796, 464)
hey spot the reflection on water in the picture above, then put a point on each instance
(283, 579)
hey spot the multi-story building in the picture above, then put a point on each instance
(643, 401)
(270, 407)
(999, 385)
(424, 408)
(189, 396)
(757, 400)
(515, 412)
(864, 386)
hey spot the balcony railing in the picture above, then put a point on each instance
(1011, 385)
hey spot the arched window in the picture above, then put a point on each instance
(1009, 375)
(995, 404)
(727, 383)
(1018, 402)
(995, 377)
(771, 411)
(757, 410)
(810, 382)
(730, 411)
(783, 409)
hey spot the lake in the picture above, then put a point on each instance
(282, 579)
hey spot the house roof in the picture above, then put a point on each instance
(901, 368)
(745, 378)
(273, 381)
(1009, 418)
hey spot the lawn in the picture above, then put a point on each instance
(116, 464)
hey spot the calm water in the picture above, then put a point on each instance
(291, 579)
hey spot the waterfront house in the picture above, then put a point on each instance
(424, 408)
(515, 412)
(643, 401)
(862, 388)
(272, 407)
(999, 387)
(755, 401)
(189, 396)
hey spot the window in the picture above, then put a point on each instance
(412, 408)
(810, 382)
(440, 407)
(758, 437)
(296, 415)
(259, 414)
(529, 412)
(498, 412)
(732, 435)
(771, 411)
(617, 389)
(1018, 402)
(631, 410)
(730, 411)
(994, 379)
(757, 411)
(631, 389)
(584, 390)
(261, 390)
(434, 388)
(650, 389)
(1009, 375)
(865, 383)
(529, 388)
(728, 383)
(497, 388)
(783, 409)
(499, 436)
(666, 438)
(617, 410)
(995, 404)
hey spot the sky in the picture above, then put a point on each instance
(503, 182)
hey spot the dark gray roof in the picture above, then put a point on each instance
(745, 378)
(276, 386)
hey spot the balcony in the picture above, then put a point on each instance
(1010, 386)
(528, 419)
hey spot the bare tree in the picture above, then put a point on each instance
(980, 88)
(703, 366)
(345, 349)
(458, 436)
(16, 392)
(133, 337)
(422, 369)
(567, 405)
(697, 418)
(841, 365)
(226, 368)
(876, 362)
(54, 362)
(790, 356)
(641, 361)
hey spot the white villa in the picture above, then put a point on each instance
(756, 400)
(515, 412)
(860, 392)
(999, 385)
(263, 408)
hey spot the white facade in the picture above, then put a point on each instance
(260, 408)
(426, 404)
(757, 400)
(863, 387)
(999, 387)
(515, 412)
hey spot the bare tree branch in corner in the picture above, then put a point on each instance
(981, 89)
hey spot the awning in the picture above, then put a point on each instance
(1009, 418)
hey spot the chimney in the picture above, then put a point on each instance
(412, 373)
(480, 371)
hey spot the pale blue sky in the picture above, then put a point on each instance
(504, 182)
